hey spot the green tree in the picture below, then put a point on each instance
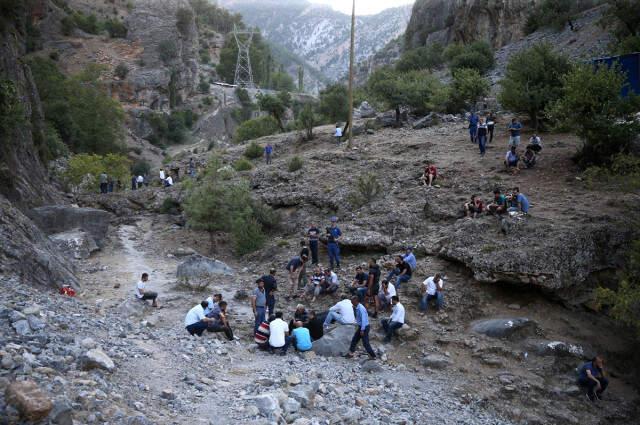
(282, 81)
(624, 17)
(83, 169)
(334, 103)
(276, 106)
(167, 52)
(478, 55)
(256, 128)
(592, 106)
(306, 120)
(184, 19)
(427, 57)
(533, 81)
(468, 86)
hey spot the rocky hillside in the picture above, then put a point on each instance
(319, 34)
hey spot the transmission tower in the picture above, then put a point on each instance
(244, 74)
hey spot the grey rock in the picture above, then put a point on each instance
(304, 394)
(168, 394)
(371, 367)
(36, 323)
(426, 121)
(16, 315)
(558, 349)
(75, 244)
(268, 405)
(436, 361)
(22, 327)
(515, 327)
(62, 414)
(54, 219)
(198, 266)
(96, 359)
(291, 405)
(137, 420)
(365, 111)
(336, 342)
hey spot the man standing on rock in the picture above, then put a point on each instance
(396, 321)
(333, 238)
(362, 332)
(294, 267)
(143, 294)
(314, 235)
(514, 130)
(268, 151)
(195, 321)
(259, 303)
(304, 252)
(270, 287)
(373, 284)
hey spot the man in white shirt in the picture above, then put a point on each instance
(278, 332)
(162, 176)
(143, 294)
(168, 181)
(342, 313)
(331, 282)
(195, 321)
(140, 181)
(396, 321)
(383, 300)
(432, 290)
(338, 134)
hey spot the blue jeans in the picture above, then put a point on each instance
(473, 131)
(424, 301)
(390, 328)
(334, 315)
(197, 328)
(313, 247)
(334, 254)
(401, 279)
(260, 313)
(365, 341)
(482, 142)
(360, 292)
(271, 303)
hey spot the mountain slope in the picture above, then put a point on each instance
(319, 34)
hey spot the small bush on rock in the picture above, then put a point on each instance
(242, 165)
(295, 164)
(253, 151)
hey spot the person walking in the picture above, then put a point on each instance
(259, 303)
(268, 152)
(333, 237)
(362, 331)
(104, 179)
(483, 129)
(491, 125)
(473, 126)
(314, 235)
(270, 288)
(395, 322)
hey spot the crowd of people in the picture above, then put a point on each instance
(513, 201)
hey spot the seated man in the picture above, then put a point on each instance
(342, 313)
(142, 293)
(529, 158)
(212, 304)
(262, 334)
(278, 332)
(473, 208)
(432, 290)
(383, 300)
(499, 204)
(519, 201)
(168, 181)
(591, 378)
(511, 160)
(195, 321)
(535, 144)
(403, 272)
(315, 284)
(359, 286)
(300, 338)
(300, 315)
(396, 321)
(429, 175)
(315, 326)
(220, 322)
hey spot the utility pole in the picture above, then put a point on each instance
(351, 60)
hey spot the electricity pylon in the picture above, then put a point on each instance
(244, 74)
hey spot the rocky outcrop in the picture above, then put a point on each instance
(335, 343)
(516, 327)
(56, 219)
(499, 22)
(26, 252)
(75, 244)
(198, 266)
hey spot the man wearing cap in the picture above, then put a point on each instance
(333, 237)
(270, 287)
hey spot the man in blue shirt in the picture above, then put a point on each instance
(591, 377)
(362, 332)
(473, 126)
(300, 338)
(410, 258)
(333, 237)
(514, 129)
(521, 201)
(268, 150)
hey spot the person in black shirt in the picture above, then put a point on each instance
(314, 235)
(360, 286)
(270, 287)
(315, 326)
(304, 253)
(402, 271)
(374, 279)
(491, 125)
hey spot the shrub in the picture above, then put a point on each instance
(208, 101)
(11, 111)
(295, 164)
(247, 236)
(427, 57)
(306, 120)
(242, 165)
(366, 190)
(121, 71)
(281, 81)
(253, 151)
(170, 129)
(468, 86)
(87, 23)
(167, 51)
(205, 57)
(334, 103)
(140, 168)
(67, 25)
(83, 169)
(623, 174)
(184, 18)
(477, 55)
(256, 128)
(115, 28)
(268, 218)
(170, 206)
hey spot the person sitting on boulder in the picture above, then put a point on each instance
(499, 204)
(511, 160)
(535, 144)
(195, 321)
(315, 325)
(429, 175)
(410, 258)
(402, 271)
(383, 300)
(220, 322)
(432, 290)
(520, 203)
(359, 286)
(529, 158)
(473, 208)
(300, 338)
(262, 334)
(395, 322)
(143, 294)
(300, 315)
(315, 283)
(168, 182)
(591, 376)
(342, 313)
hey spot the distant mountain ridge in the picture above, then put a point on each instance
(319, 34)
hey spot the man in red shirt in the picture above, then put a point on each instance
(429, 175)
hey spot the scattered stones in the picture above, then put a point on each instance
(436, 361)
(268, 405)
(96, 359)
(168, 394)
(22, 327)
(32, 403)
(293, 380)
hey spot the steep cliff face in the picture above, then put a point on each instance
(499, 22)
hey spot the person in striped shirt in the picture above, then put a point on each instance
(262, 334)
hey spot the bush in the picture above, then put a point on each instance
(477, 55)
(623, 174)
(247, 236)
(242, 165)
(367, 188)
(207, 101)
(467, 87)
(170, 206)
(121, 71)
(295, 164)
(256, 128)
(334, 103)
(306, 120)
(281, 81)
(11, 111)
(533, 81)
(203, 86)
(428, 57)
(268, 218)
(253, 151)
(115, 28)
(167, 51)
(140, 168)
(83, 170)
(170, 129)
(184, 18)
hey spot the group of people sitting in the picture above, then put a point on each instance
(501, 204)
(210, 315)
(513, 162)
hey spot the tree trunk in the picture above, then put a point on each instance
(397, 116)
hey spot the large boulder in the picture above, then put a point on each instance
(201, 267)
(336, 342)
(75, 244)
(436, 361)
(365, 111)
(512, 328)
(54, 219)
(32, 403)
